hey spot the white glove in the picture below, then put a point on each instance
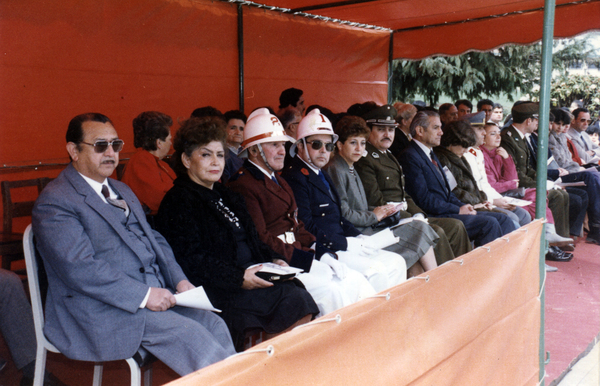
(420, 217)
(357, 245)
(340, 269)
(354, 244)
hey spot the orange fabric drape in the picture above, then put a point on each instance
(120, 58)
(475, 323)
(487, 34)
(334, 65)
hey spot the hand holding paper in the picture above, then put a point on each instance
(195, 298)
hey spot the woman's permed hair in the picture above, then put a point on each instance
(193, 133)
(351, 126)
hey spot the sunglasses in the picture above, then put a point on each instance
(317, 145)
(102, 145)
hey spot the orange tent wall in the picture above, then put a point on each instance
(334, 65)
(60, 59)
(485, 34)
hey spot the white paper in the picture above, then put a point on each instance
(381, 240)
(195, 298)
(565, 184)
(450, 177)
(517, 201)
(278, 269)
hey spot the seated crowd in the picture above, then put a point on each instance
(303, 188)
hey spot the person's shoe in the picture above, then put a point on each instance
(555, 254)
(550, 268)
(557, 241)
(568, 248)
(593, 236)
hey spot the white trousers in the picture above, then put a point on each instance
(382, 269)
(330, 292)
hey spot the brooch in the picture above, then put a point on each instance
(304, 171)
(374, 155)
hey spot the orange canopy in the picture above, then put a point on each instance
(423, 28)
(120, 58)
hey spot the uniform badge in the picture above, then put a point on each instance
(374, 155)
(472, 151)
(304, 171)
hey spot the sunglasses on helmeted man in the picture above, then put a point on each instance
(317, 145)
(102, 145)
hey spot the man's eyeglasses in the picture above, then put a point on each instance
(317, 145)
(102, 145)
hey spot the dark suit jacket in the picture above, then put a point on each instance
(274, 212)
(517, 148)
(96, 282)
(552, 169)
(317, 209)
(428, 187)
(204, 242)
(401, 142)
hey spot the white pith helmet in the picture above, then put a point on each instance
(261, 127)
(313, 123)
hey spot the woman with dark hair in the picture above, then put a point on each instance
(146, 173)
(457, 138)
(417, 239)
(216, 243)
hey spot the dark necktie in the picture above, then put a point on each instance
(437, 169)
(113, 201)
(274, 180)
(322, 177)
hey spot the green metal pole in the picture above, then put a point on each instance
(391, 69)
(540, 204)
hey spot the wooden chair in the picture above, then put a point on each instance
(11, 244)
(140, 359)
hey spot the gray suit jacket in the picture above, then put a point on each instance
(96, 282)
(353, 199)
(557, 143)
(582, 142)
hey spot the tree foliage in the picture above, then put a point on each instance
(505, 70)
(567, 88)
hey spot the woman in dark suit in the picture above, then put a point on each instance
(216, 243)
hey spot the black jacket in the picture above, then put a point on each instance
(202, 239)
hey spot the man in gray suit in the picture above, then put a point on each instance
(111, 278)
(588, 151)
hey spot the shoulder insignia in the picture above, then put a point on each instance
(374, 155)
(304, 171)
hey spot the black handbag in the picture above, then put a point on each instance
(515, 193)
(388, 221)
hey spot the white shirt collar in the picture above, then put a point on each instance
(310, 166)
(97, 187)
(266, 173)
(424, 148)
